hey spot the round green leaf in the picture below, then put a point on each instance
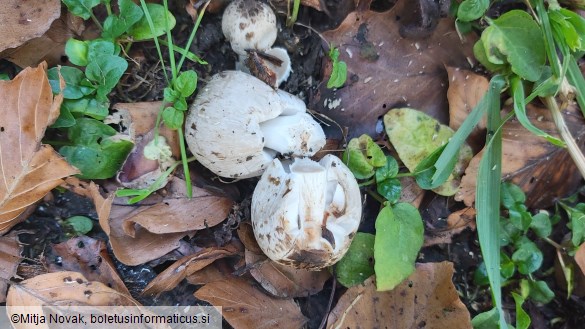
(80, 224)
(141, 30)
(362, 156)
(390, 189)
(173, 118)
(528, 258)
(470, 10)
(358, 263)
(390, 170)
(186, 83)
(76, 51)
(541, 224)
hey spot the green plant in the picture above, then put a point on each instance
(338, 71)
(399, 226)
(522, 50)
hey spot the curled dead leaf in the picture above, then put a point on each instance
(456, 223)
(29, 170)
(10, 257)
(244, 306)
(426, 299)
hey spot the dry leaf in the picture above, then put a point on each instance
(50, 47)
(580, 257)
(386, 71)
(246, 235)
(88, 257)
(244, 306)
(64, 287)
(24, 20)
(545, 172)
(285, 281)
(216, 271)
(29, 170)
(411, 192)
(91, 190)
(426, 299)
(466, 89)
(10, 257)
(188, 265)
(456, 223)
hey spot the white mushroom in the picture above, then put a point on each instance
(249, 24)
(306, 214)
(238, 124)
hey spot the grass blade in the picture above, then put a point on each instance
(576, 79)
(151, 25)
(487, 199)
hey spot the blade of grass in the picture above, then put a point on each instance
(576, 79)
(446, 162)
(189, 55)
(151, 26)
(170, 44)
(295, 13)
(487, 198)
(192, 36)
(185, 163)
(549, 41)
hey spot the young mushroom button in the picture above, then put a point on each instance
(249, 24)
(306, 214)
(238, 124)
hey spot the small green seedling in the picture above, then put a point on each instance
(339, 70)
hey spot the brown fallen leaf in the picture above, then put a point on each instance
(426, 299)
(49, 47)
(29, 170)
(456, 222)
(88, 257)
(188, 265)
(580, 257)
(216, 271)
(24, 20)
(386, 71)
(466, 89)
(64, 287)
(10, 251)
(285, 281)
(244, 306)
(545, 172)
(91, 190)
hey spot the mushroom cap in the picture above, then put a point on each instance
(306, 214)
(249, 24)
(229, 123)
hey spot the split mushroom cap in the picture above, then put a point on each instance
(238, 124)
(306, 214)
(249, 24)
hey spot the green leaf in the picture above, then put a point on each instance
(170, 95)
(338, 71)
(65, 119)
(541, 224)
(508, 268)
(180, 104)
(80, 224)
(87, 106)
(577, 222)
(106, 71)
(520, 217)
(517, 89)
(389, 170)
(517, 39)
(141, 30)
(470, 10)
(424, 172)
(173, 118)
(528, 258)
(390, 189)
(358, 263)
(568, 27)
(511, 194)
(115, 26)
(415, 135)
(72, 77)
(486, 320)
(488, 194)
(99, 47)
(81, 8)
(538, 291)
(76, 52)
(362, 156)
(522, 318)
(95, 151)
(399, 237)
(186, 83)
(508, 232)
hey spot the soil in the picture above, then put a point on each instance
(145, 81)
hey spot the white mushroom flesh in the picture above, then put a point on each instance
(306, 214)
(229, 125)
(249, 24)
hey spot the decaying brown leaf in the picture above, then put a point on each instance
(426, 299)
(141, 233)
(90, 190)
(545, 172)
(188, 265)
(386, 71)
(244, 306)
(10, 257)
(24, 20)
(466, 89)
(216, 271)
(29, 170)
(580, 257)
(88, 257)
(456, 222)
(64, 287)
(285, 281)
